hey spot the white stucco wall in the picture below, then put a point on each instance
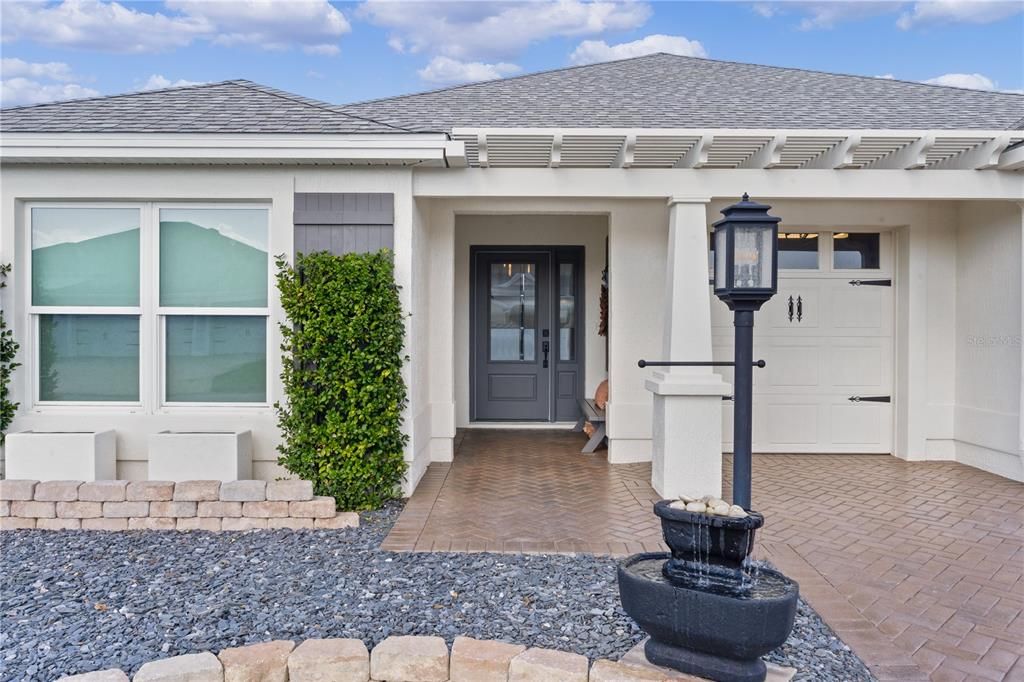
(274, 185)
(958, 317)
(987, 418)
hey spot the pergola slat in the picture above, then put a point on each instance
(754, 149)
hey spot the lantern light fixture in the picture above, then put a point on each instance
(746, 255)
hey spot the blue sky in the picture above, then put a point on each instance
(351, 51)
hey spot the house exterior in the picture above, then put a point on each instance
(143, 229)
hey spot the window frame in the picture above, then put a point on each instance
(33, 312)
(151, 316)
(163, 312)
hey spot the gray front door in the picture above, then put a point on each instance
(525, 343)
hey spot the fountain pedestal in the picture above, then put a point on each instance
(706, 616)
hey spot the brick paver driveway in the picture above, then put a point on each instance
(917, 565)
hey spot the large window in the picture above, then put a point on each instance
(149, 304)
(214, 258)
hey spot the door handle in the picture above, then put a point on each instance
(790, 308)
(799, 308)
(546, 347)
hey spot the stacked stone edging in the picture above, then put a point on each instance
(396, 659)
(166, 505)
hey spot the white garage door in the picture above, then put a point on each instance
(828, 345)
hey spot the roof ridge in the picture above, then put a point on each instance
(310, 102)
(134, 93)
(675, 56)
(571, 67)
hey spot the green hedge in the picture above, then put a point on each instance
(343, 355)
(8, 351)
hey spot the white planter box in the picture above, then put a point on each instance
(59, 456)
(194, 455)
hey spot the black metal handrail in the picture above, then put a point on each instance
(692, 363)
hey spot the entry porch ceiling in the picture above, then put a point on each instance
(759, 149)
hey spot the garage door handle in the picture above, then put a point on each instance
(799, 308)
(790, 308)
(870, 399)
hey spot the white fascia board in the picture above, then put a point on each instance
(1012, 159)
(730, 132)
(642, 183)
(212, 148)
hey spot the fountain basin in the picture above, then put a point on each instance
(716, 635)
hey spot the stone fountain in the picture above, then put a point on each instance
(708, 610)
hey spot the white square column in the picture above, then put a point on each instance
(687, 428)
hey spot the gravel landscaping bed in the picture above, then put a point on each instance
(76, 601)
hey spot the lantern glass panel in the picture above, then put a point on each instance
(752, 264)
(721, 249)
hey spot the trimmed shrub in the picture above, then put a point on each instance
(8, 352)
(342, 424)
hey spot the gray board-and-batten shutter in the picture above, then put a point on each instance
(343, 222)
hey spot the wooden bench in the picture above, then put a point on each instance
(595, 415)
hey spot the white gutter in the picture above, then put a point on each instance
(431, 149)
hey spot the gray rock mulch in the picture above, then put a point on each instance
(76, 601)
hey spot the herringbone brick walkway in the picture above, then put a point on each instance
(919, 566)
(530, 491)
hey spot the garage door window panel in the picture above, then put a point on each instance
(798, 251)
(856, 251)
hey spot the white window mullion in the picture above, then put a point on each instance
(147, 321)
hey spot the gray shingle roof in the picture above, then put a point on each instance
(236, 106)
(669, 91)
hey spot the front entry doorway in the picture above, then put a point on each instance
(526, 345)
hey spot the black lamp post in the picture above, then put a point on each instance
(746, 275)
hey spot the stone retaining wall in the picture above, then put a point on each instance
(165, 505)
(397, 659)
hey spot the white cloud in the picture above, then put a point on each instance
(94, 25)
(323, 49)
(158, 82)
(971, 81)
(12, 67)
(19, 91)
(448, 70)
(314, 25)
(494, 31)
(590, 51)
(37, 82)
(887, 76)
(965, 11)
(825, 14)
